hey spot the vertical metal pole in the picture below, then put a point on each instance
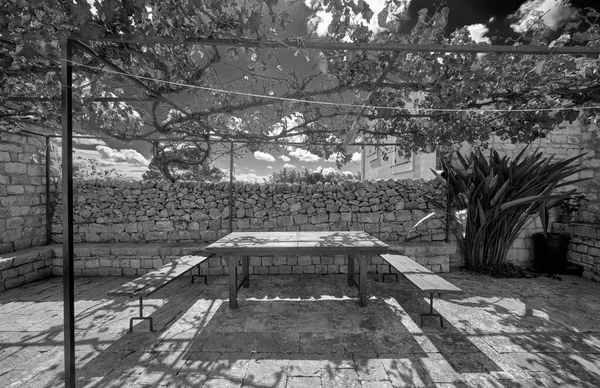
(231, 189)
(67, 211)
(48, 207)
(448, 208)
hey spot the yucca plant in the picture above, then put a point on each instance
(501, 197)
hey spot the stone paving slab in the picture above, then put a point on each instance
(308, 331)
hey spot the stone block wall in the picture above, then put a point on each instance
(25, 266)
(584, 247)
(22, 192)
(567, 140)
(163, 211)
(135, 259)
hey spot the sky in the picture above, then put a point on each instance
(490, 21)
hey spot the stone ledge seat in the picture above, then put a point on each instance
(25, 266)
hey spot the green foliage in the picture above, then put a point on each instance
(310, 177)
(186, 161)
(501, 197)
(195, 173)
(91, 169)
(83, 168)
(572, 203)
(408, 89)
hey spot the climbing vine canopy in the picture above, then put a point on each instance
(162, 93)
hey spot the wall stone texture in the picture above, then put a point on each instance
(184, 211)
(584, 247)
(567, 140)
(22, 192)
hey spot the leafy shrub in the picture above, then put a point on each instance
(501, 197)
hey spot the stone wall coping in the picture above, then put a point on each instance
(132, 249)
(24, 256)
(174, 248)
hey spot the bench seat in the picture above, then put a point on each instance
(422, 278)
(153, 281)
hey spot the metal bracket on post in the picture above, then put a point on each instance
(141, 317)
(431, 313)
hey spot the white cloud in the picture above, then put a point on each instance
(284, 158)
(333, 158)
(328, 170)
(264, 156)
(108, 154)
(287, 165)
(88, 142)
(478, 32)
(322, 19)
(303, 155)
(129, 163)
(556, 14)
(270, 167)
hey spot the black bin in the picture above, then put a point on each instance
(550, 252)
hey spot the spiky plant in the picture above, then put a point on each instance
(501, 197)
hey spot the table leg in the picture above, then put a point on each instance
(363, 262)
(350, 270)
(246, 270)
(232, 280)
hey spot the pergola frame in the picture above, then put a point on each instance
(67, 122)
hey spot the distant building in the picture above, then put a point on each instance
(385, 162)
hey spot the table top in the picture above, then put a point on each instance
(298, 243)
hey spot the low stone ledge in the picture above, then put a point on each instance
(25, 266)
(135, 259)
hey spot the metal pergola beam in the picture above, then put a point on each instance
(97, 99)
(299, 44)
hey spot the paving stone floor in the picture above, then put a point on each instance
(308, 331)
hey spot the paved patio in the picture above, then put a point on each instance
(307, 331)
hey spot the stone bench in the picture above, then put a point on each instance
(25, 266)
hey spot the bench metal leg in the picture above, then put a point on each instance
(395, 274)
(431, 313)
(199, 275)
(141, 317)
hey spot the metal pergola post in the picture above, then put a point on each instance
(231, 188)
(48, 196)
(67, 211)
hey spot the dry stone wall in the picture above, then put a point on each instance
(184, 211)
(22, 192)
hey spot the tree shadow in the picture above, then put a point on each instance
(540, 330)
